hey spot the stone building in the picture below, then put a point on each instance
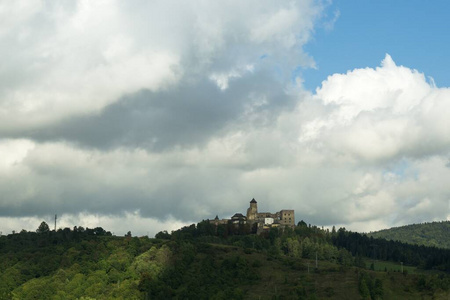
(218, 221)
(266, 220)
(238, 218)
(252, 211)
(287, 217)
(263, 220)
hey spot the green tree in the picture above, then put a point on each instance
(377, 292)
(293, 247)
(363, 288)
(164, 235)
(43, 228)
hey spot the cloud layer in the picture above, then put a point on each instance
(70, 59)
(159, 114)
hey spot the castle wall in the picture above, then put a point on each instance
(287, 217)
(268, 221)
(265, 220)
(268, 215)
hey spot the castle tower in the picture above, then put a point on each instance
(287, 217)
(252, 211)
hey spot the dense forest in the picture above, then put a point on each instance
(434, 234)
(203, 261)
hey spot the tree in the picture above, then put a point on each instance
(43, 228)
(363, 288)
(293, 247)
(377, 292)
(301, 224)
(163, 235)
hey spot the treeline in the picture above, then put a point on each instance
(43, 236)
(92, 264)
(72, 264)
(306, 241)
(200, 261)
(292, 247)
(382, 249)
(435, 234)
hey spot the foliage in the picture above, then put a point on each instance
(203, 261)
(434, 234)
(43, 228)
(370, 287)
(413, 255)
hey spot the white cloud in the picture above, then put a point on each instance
(276, 27)
(388, 125)
(221, 79)
(67, 59)
(392, 87)
(72, 59)
(381, 113)
(13, 151)
(369, 149)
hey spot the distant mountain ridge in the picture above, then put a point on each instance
(434, 234)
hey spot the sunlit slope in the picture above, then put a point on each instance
(436, 234)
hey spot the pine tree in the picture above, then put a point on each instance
(43, 228)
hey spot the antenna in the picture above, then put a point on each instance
(56, 217)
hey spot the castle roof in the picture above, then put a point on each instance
(238, 216)
(253, 201)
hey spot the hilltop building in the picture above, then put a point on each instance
(266, 220)
(238, 218)
(218, 221)
(262, 220)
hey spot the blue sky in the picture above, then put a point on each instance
(415, 33)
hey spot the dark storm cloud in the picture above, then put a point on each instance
(99, 185)
(186, 115)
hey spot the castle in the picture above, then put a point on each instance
(263, 220)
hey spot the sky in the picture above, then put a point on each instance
(147, 116)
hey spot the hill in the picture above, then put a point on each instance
(204, 262)
(435, 234)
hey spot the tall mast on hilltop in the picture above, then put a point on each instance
(55, 221)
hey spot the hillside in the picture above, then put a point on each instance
(435, 234)
(196, 263)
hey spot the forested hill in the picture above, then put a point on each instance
(228, 261)
(435, 234)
